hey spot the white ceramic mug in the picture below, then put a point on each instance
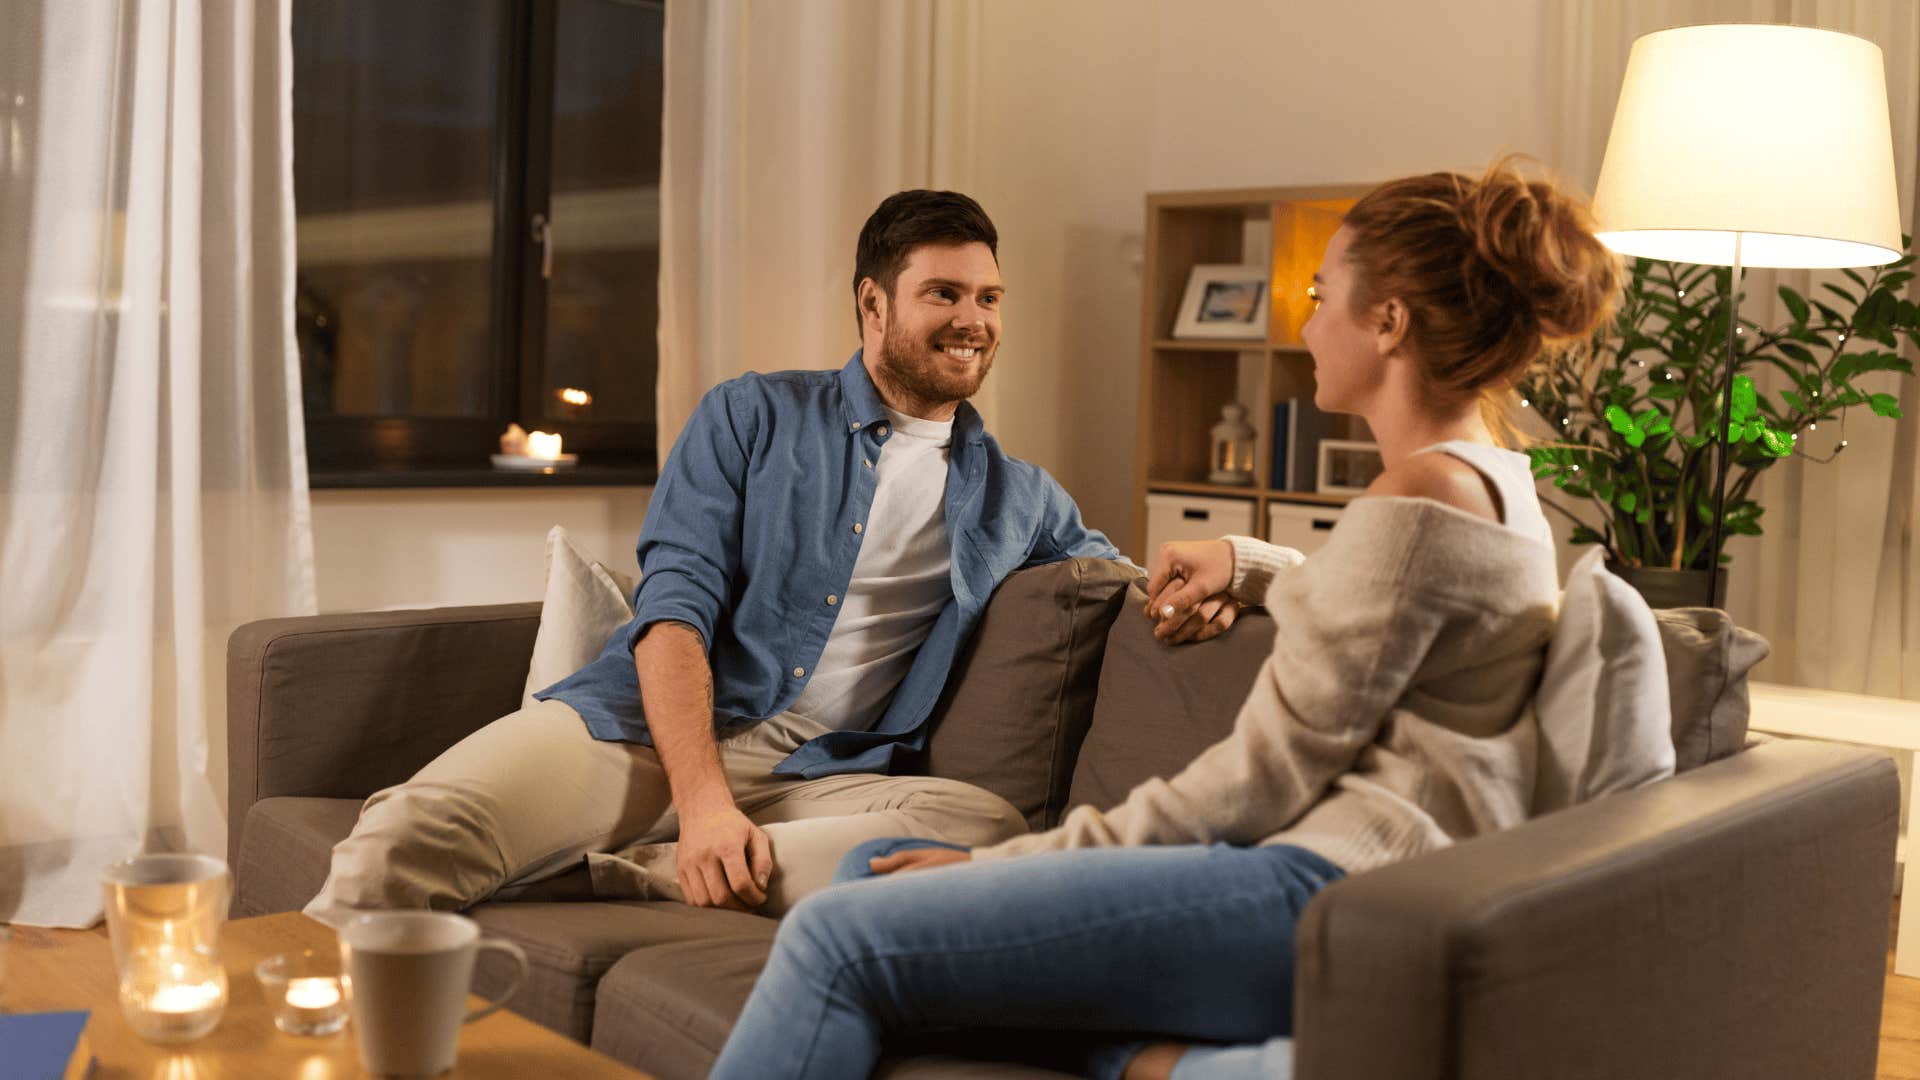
(409, 973)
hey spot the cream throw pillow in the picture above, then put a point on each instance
(1606, 722)
(585, 603)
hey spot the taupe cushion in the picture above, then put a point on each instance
(285, 846)
(1708, 659)
(1161, 704)
(1021, 698)
(571, 946)
(667, 1010)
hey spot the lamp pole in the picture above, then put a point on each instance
(1726, 427)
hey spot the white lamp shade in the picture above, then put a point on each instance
(1776, 133)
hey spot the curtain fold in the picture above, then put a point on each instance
(152, 467)
(765, 180)
(1832, 582)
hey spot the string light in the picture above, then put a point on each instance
(1843, 444)
(1843, 337)
(1523, 403)
(1813, 427)
(1565, 421)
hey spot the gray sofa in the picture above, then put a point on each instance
(1730, 921)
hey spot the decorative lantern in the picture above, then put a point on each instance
(164, 914)
(1231, 461)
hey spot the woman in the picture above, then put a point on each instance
(1390, 720)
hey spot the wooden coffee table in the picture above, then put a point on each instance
(76, 972)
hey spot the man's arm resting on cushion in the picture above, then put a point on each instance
(724, 860)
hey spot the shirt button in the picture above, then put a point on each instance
(856, 528)
(854, 427)
(881, 431)
(832, 600)
(868, 462)
(799, 672)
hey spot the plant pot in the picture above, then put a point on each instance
(1664, 587)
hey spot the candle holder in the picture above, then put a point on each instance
(164, 914)
(306, 992)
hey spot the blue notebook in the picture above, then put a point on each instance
(44, 1046)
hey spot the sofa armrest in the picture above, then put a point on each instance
(1731, 921)
(343, 705)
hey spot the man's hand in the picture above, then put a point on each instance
(723, 860)
(917, 859)
(1187, 591)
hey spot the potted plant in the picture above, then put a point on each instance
(1636, 410)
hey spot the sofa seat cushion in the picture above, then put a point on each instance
(667, 1010)
(570, 947)
(285, 848)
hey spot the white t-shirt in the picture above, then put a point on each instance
(900, 582)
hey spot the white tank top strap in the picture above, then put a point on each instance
(1511, 474)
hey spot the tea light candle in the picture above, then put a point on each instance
(306, 993)
(314, 993)
(542, 445)
(180, 1000)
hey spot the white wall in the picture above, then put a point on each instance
(445, 546)
(1086, 106)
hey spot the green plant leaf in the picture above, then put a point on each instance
(1584, 535)
(1668, 391)
(1776, 443)
(1794, 401)
(1841, 293)
(1743, 399)
(1884, 405)
(1795, 352)
(1796, 304)
(1626, 500)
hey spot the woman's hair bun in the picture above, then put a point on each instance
(1541, 240)
(1493, 270)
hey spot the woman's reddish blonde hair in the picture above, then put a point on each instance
(1493, 271)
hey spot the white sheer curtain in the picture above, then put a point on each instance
(1833, 583)
(785, 125)
(152, 476)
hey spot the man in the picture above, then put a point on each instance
(817, 549)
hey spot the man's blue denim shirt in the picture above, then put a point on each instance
(757, 519)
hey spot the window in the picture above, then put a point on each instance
(476, 193)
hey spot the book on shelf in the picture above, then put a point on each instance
(45, 1046)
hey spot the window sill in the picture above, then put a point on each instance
(481, 476)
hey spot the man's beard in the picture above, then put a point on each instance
(919, 370)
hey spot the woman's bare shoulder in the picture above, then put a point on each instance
(1442, 478)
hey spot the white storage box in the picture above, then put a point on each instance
(1194, 517)
(1305, 526)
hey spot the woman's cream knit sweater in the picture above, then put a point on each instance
(1395, 714)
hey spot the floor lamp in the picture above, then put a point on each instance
(1750, 146)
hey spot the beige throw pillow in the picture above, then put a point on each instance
(1605, 719)
(1708, 659)
(585, 603)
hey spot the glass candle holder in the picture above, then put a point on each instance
(164, 914)
(306, 992)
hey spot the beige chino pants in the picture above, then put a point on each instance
(530, 795)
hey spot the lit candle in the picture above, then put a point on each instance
(315, 993)
(542, 445)
(192, 997)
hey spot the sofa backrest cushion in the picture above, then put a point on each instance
(1021, 696)
(1708, 659)
(1161, 704)
(585, 603)
(1602, 702)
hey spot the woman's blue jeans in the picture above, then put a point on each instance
(1191, 943)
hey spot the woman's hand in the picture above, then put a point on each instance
(1187, 591)
(917, 859)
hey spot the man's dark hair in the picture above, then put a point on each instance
(909, 219)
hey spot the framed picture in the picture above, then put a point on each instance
(1224, 302)
(1347, 466)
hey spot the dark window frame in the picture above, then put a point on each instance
(422, 451)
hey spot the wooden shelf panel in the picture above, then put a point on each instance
(1242, 491)
(1183, 345)
(1188, 487)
